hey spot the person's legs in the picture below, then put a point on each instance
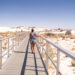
(32, 46)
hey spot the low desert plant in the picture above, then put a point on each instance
(73, 63)
(73, 49)
(51, 51)
(68, 32)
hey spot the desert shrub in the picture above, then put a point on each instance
(73, 48)
(51, 51)
(72, 37)
(63, 36)
(6, 34)
(68, 32)
(61, 30)
(73, 63)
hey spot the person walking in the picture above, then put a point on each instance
(32, 39)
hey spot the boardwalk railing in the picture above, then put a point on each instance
(8, 45)
(58, 48)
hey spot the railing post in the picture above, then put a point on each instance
(46, 55)
(41, 48)
(8, 48)
(18, 39)
(41, 45)
(13, 43)
(58, 62)
(0, 54)
(41, 40)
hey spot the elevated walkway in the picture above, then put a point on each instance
(23, 62)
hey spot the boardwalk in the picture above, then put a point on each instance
(23, 62)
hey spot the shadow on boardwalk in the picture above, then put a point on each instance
(23, 62)
(33, 63)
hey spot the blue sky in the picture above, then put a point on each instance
(39, 13)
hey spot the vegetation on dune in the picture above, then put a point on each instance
(52, 51)
(67, 35)
(68, 32)
(6, 34)
(73, 63)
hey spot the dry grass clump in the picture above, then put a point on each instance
(73, 63)
(6, 34)
(59, 36)
(51, 51)
(73, 49)
(70, 36)
(43, 54)
(51, 66)
(51, 69)
(5, 43)
(68, 32)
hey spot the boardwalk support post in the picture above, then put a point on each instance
(18, 39)
(46, 55)
(13, 43)
(58, 61)
(41, 46)
(0, 54)
(8, 48)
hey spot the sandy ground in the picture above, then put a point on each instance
(66, 67)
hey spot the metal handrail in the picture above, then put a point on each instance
(65, 51)
(51, 61)
(8, 48)
(59, 49)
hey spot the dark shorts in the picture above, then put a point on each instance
(33, 40)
